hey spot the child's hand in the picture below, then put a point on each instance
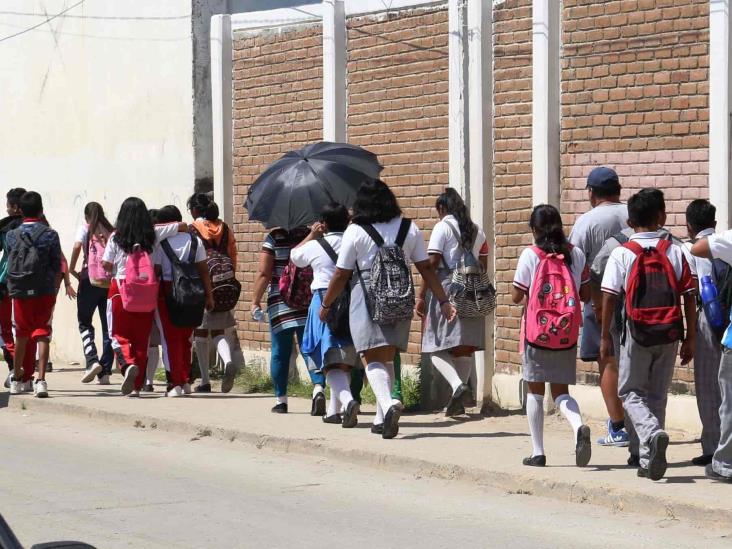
(686, 353)
(70, 292)
(448, 311)
(420, 308)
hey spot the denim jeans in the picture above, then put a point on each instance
(282, 343)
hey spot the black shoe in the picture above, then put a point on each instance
(350, 417)
(378, 429)
(391, 422)
(703, 460)
(280, 408)
(633, 460)
(657, 463)
(318, 406)
(583, 449)
(642, 472)
(713, 475)
(335, 419)
(456, 406)
(49, 367)
(203, 388)
(535, 461)
(148, 388)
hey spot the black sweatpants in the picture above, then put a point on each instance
(92, 298)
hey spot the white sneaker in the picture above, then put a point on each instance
(8, 380)
(104, 380)
(187, 390)
(41, 388)
(27, 386)
(176, 391)
(92, 372)
(16, 387)
(133, 394)
(128, 385)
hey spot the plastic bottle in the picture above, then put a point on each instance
(712, 307)
(258, 314)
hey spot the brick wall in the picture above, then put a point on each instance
(397, 108)
(277, 107)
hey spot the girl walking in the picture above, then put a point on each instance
(551, 279)
(328, 352)
(380, 235)
(452, 344)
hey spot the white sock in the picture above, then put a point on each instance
(379, 417)
(464, 368)
(223, 348)
(380, 384)
(570, 410)
(444, 362)
(535, 414)
(333, 404)
(153, 359)
(340, 385)
(317, 388)
(281, 399)
(202, 354)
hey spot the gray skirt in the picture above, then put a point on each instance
(217, 320)
(366, 333)
(439, 335)
(544, 366)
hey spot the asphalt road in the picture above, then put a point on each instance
(116, 486)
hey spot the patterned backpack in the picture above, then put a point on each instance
(221, 270)
(390, 292)
(294, 286)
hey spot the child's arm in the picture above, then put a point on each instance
(517, 294)
(202, 267)
(420, 309)
(608, 311)
(689, 344)
(75, 253)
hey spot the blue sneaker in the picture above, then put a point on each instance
(619, 438)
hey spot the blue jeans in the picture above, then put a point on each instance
(279, 365)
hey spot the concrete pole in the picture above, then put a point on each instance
(719, 110)
(480, 141)
(545, 102)
(456, 97)
(334, 71)
(222, 106)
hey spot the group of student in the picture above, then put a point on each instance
(154, 281)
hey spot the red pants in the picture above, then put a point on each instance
(6, 324)
(176, 343)
(130, 335)
(32, 319)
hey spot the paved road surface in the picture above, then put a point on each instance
(115, 486)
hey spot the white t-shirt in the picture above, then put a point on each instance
(622, 259)
(529, 261)
(82, 234)
(312, 254)
(357, 245)
(118, 258)
(720, 245)
(181, 244)
(443, 242)
(700, 266)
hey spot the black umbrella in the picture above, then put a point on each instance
(293, 190)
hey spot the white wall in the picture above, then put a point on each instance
(97, 107)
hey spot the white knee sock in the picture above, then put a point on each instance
(340, 385)
(201, 344)
(570, 410)
(379, 417)
(535, 415)
(333, 404)
(380, 384)
(223, 348)
(153, 359)
(464, 368)
(444, 362)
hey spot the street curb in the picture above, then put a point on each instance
(627, 501)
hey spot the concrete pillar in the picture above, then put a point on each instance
(545, 101)
(222, 106)
(334, 70)
(457, 97)
(719, 110)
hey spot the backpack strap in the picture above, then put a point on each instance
(32, 237)
(165, 245)
(634, 247)
(224, 243)
(622, 238)
(663, 245)
(403, 231)
(328, 249)
(193, 250)
(373, 233)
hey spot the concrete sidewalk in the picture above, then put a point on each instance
(484, 451)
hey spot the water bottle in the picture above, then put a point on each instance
(258, 314)
(712, 307)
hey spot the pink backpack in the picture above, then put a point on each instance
(553, 314)
(98, 276)
(139, 289)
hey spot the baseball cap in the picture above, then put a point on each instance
(603, 178)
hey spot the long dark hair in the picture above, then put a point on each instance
(94, 214)
(375, 203)
(134, 226)
(201, 205)
(450, 202)
(549, 232)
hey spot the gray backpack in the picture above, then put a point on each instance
(27, 269)
(390, 291)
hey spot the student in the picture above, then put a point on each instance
(701, 223)
(452, 344)
(553, 364)
(215, 235)
(332, 354)
(176, 340)
(91, 239)
(32, 283)
(607, 217)
(648, 347)
(378, 217)
(285, 322)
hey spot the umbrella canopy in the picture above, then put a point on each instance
(293, 190)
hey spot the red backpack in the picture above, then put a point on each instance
(653, 297)
(294, 286)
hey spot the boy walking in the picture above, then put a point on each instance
(34, 270)
(654, 274)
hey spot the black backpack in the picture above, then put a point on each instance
(186, 299)
(722, 279)
(338, 313)
(27, 269)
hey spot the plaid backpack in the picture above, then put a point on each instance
(390, 292)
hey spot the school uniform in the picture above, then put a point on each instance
(645, 373)
(6, 303)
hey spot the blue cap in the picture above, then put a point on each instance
(603, 178)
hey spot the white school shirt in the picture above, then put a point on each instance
(700, 266)
(443, 242)
(621, 261)
(82, 235)
(312, 254)
(181, 245)
(118, 258)
(529, 261)
(358, 246)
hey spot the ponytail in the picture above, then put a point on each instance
(94, 213)
(452, 204)
(546, 222)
